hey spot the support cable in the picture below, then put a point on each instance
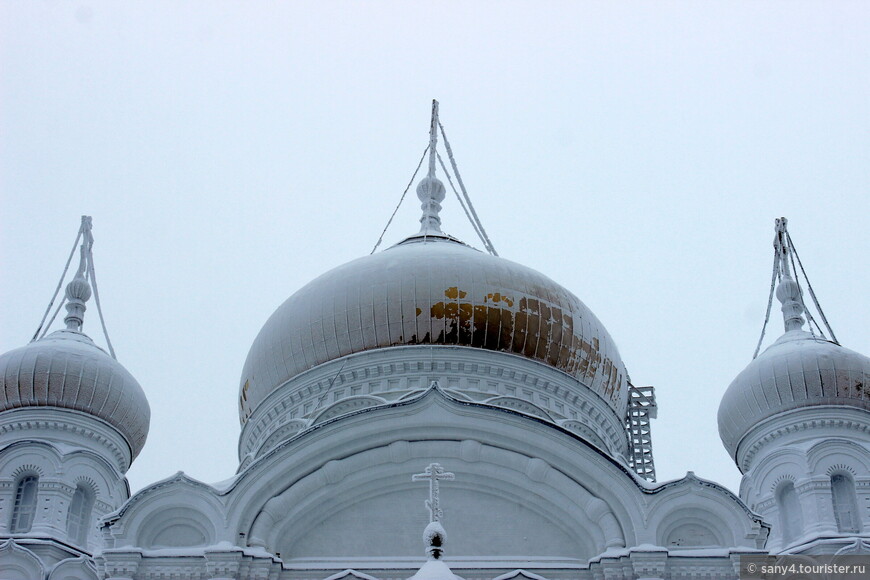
(328, 389)
(53, 316)
(811, 321)
(93, 276)
(486, 242)
(404, 193)
(461, 202)
(56, 290)
(773, 279)
(812, 293)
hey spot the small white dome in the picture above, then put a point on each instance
(67, 370)
(433, 290)
(798, 370)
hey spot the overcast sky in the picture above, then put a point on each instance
(635, 152)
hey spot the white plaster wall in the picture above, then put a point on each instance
(806, 447)
(479, 523)
(64, 448)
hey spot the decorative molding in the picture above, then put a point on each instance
(839, 468)
(796, 421)
(95, 434)
(780, 480)
(27, 469)
(396, 373)
(14, 557)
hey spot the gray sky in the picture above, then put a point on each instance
(635, 152)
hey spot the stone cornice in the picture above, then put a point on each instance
(52, 423)
(232, 561)
(397, 372)
(799, 420)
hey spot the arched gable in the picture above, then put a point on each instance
(19, 563)
(80, 568)
(176, 512)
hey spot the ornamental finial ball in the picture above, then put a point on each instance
(788, 290)
(434, 536)
(78, 289)
(431, 188)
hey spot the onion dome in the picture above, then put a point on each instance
(799, 370)
(431, 289)
(67, 370)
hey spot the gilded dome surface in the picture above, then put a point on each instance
(432, 290)
(67, 370)
(798, 370)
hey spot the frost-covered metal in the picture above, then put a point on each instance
(433, 474)
(797, 371)
(433, 290)
(641, 409)
(67, 370)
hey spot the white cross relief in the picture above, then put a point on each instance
(434, 473)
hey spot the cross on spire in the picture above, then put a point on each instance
(434, 473)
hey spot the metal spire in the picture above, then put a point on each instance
(786, 263)
(788, 292)
(430, 190)
(78, 291)
(433, 139)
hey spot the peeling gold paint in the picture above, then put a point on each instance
(532, 327)
(454, 293)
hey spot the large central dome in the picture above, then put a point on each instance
(432, 290)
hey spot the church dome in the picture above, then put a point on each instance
(67, 370)
(433, 290)
(798, 370)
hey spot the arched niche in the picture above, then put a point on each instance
(177, 527)
(844, 502)
(692, 528)
(791, 520)
(695, 513)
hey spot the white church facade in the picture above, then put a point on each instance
(431, 370)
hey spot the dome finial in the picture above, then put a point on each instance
(78, 291)
(788, 292)
(430, 190)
